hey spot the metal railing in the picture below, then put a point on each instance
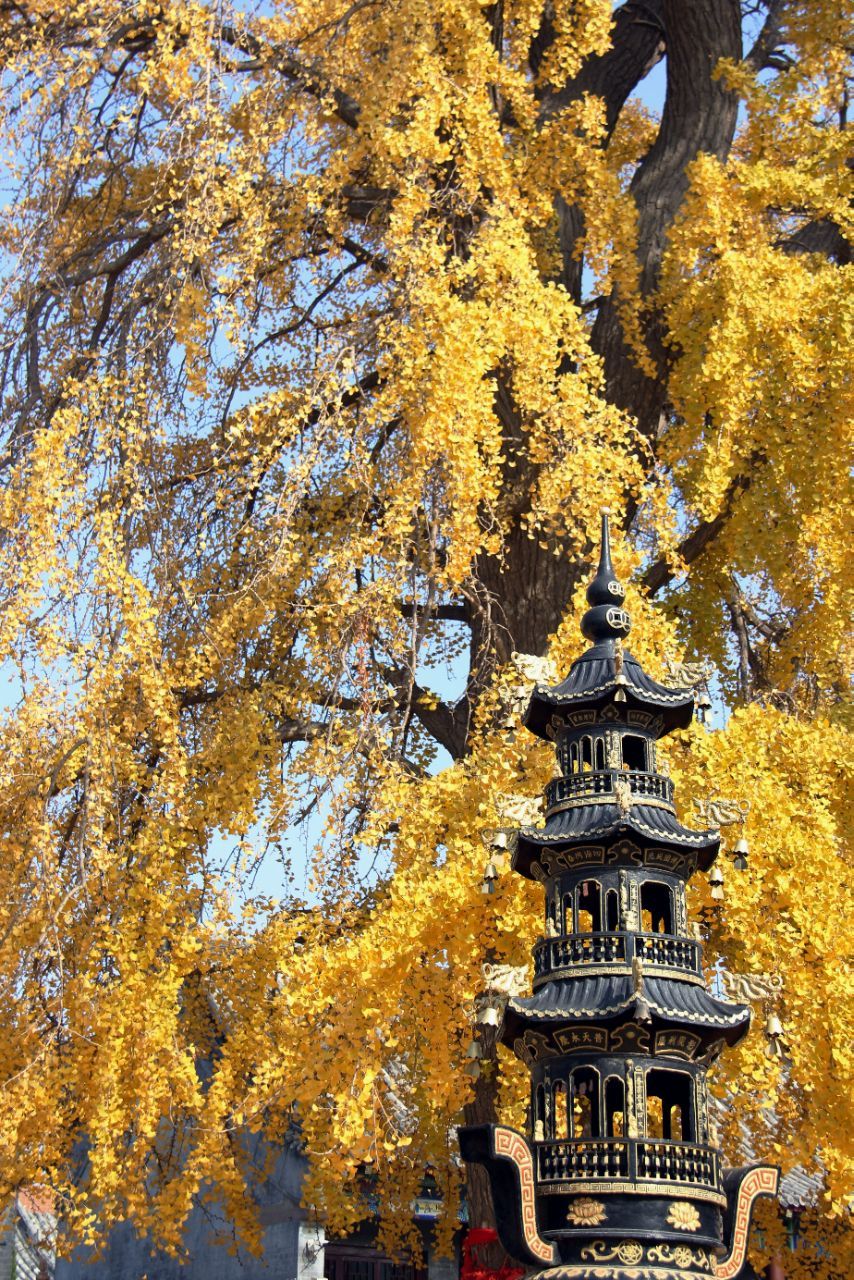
(565, 1161)
(668, 951)
(583, 786)
(685, 1164)
(663, 950)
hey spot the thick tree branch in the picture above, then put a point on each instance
(766, 47)
(661, 573)
(742, 641)
(301, 730)
(448, 725)
(441, 612)
(755, 659)
(637, 43)
(821, 236)
(699, 116)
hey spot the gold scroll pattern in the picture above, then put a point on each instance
(761, 1181)
(631, 1254)
(512, 1146)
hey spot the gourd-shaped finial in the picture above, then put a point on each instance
(606, 619)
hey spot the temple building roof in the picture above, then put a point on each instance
(571, 1000)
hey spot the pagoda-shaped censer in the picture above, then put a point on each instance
(619, 1177)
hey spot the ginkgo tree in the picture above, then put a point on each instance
(326, 330)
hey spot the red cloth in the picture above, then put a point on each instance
(474, 1269)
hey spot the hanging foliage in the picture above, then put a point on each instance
(326, 329)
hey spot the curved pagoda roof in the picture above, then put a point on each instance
(666, 1001)
(606, 824)
(595, 678)
(593, 681)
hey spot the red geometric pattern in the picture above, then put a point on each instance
(512, 1146)
(761, 1181)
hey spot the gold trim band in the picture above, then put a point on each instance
(628, 1187)
(618, 970)
(608, 797)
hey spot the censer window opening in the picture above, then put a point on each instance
(584, 1101)
(569, 914)
(656, 907)
(615, 1107)
(599, 753)
(559, 1110)
(586, 753)
(669, 1113)
(634, 752)
(612, 911)
(590, 907)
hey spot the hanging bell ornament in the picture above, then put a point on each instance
(472, 1069)
(773, 1026)
(643, 1013)
(619, 676)
(703, 704)
(498, 840)
(489, 1015)
(716, 882)
(474, 1050)
(490, 875)
(774, 1032)
(740, 853)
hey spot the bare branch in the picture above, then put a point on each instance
(306, 78)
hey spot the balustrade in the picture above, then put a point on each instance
(583, 786)
(668, 951)
(665, 950)
(564, 1161)
(633, 1159)
(677, 1162)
